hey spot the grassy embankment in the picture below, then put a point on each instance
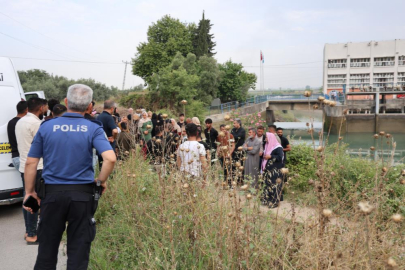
(151, 222)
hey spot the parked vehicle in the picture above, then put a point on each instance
(11, 188)
(39, 94)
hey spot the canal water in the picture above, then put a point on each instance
(358, 143)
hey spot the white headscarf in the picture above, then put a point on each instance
(196, 121)
(175, 125)
(143, 120)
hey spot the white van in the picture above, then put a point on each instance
(11, 188)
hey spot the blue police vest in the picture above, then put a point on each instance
(65, 144)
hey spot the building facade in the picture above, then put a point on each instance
(364, 66)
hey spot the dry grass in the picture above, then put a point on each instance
(150, 221)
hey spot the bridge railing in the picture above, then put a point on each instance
(229, 106)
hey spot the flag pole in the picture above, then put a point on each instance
(261, 73)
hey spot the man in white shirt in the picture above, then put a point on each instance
(191, 156)
(25, 131)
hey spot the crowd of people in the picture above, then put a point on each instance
(245, 156)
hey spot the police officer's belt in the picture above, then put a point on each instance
(88, 188)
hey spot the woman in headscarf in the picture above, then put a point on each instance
(196, 121)
(176, 127)
(145, 126)
(273, 178)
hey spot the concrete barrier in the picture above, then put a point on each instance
(256, 108)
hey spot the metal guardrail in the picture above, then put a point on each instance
(226, 107)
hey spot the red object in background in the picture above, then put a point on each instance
(401, 96)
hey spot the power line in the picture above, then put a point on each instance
(286, 65)
(300, 79)
(278, 67)
(60, 60)
(294, 64)
(36, 31)
(35, 46)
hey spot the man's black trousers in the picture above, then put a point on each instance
(58, 209)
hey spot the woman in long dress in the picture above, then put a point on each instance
(273, 178)
(145, 127)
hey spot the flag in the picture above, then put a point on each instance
(261, 57)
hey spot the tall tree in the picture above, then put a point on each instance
(166, 37)
(210, 77)
(235, 82)
(56, 86)
(203, 43)
(174, 82)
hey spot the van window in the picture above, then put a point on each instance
(28, 96)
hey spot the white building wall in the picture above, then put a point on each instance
(371, 50)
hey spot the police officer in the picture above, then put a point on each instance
(65, 144)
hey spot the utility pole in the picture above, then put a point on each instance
(125, 73)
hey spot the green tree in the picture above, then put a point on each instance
(56, 86)
(166, 37)
(203, 43)
(173, 83)
(235, 82)
(210, 77)
(34, 74)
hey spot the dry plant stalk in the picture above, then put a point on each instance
(180, 223)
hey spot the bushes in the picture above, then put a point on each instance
(301, 163)
(350, 178)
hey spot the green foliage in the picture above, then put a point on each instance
(56, 86)
(136, 100)
(301, 162)
(203, 43)
(196, 108)
(189, 79)
(176, 82)
(235, 82)
(347, 175)
(210, 77)
(166, 37)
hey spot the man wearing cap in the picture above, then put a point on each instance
(71, 195)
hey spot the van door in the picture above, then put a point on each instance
(11, 188)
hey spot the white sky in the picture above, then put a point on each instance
(287, 32)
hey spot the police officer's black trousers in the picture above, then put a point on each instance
(58, 209)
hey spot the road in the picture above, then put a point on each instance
(15, 254)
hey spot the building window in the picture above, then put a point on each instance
(401, 60)
(337, 63)
(360, 62)
(360, 80)
(384, 61)
(336, 81)
(401, 78)
(383, 79)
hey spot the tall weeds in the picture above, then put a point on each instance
(150, 221)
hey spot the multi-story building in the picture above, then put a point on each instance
(364, 66)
